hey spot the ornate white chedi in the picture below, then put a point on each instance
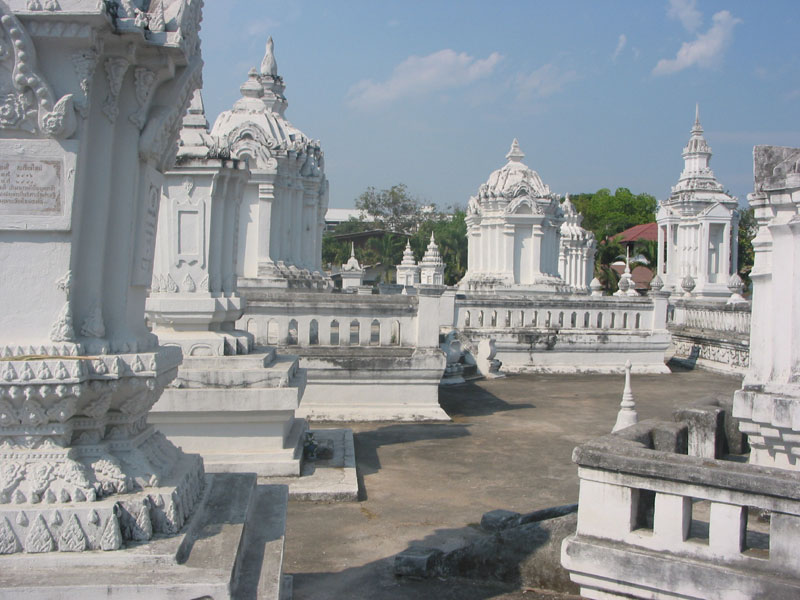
(513, 229)
(193, 301)
(408, 270)
(92, 96)
(698, 226)
(577, 249)
(283, 215)
(194, 305)
(352, 272)
(431, 267)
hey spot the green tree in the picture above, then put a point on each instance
(393, 209)
(748, 228)
(386, 250)
(606, 214)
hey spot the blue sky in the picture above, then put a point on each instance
(599, 94)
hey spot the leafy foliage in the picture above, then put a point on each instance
(748, 228)
(391, 210)
(606, 214)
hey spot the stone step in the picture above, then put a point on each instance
(260, 573)
(283, 372)
(265, 357)
(216, 400)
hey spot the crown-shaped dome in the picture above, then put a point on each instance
(514, 178)
(256, 127)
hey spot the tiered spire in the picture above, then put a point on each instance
(408, 256)
(194, 140)
(515, 154)
(432, 265)
(432, 256)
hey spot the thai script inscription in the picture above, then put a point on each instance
(30, 187)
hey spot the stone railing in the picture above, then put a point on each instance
(556, 312)
(710, 334)
(327, 319)
(660, 492)
(568, 333)
(367, 357)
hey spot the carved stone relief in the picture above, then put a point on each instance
(27, 101)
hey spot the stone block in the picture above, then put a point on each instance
(726, 529)
(672, 519)
(417, 562)
(495, 520)
(706, 430)
(671, 437)
(605, 510)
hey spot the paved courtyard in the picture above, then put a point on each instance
(508, 446)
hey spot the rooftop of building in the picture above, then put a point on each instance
(429, 484)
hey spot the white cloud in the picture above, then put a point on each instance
(544, 81)
(706, 50)
(419, 75)
(261, 27)
(623, 39)
(686, 12)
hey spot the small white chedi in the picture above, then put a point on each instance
(285, 199)
(698, 227)
(514, 229)
(194, 304)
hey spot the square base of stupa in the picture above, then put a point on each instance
(231, 547)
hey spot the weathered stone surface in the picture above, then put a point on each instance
(417, 562)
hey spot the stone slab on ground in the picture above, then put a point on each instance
(326, 480)
(231, 548)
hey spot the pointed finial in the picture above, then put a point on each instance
(433, 241)
(697, 128)
(196, 105)
(515, 154)
(627, 414)
(269, 65)
(352, 245)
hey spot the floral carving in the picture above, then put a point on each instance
(9, 544)
(188, 284)
(39, 539)
(94, 326)
(85, 63)
(72, 538)
(11, 111)
(112, 536)
(145, 82)
(115, 67)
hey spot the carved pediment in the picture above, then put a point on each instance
(523, 205)
(716, 210)
(27, 102)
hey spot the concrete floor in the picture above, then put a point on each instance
(509, 446)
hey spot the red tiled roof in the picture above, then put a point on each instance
(648, 232)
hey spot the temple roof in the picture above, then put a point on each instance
(256, 125)
(697, 186)
(513, 177)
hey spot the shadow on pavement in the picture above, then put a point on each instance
(367, 443)
(472, 400)
(484, 566)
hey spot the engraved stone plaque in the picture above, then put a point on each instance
(36, 184)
